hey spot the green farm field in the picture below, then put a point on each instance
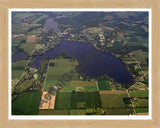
(83, 83)
(92, 99)
(53, 112)
(104, 85)
(77, 100)
(39, 18)
(121, 111)
(61, 66)
(28, 47)
(141, 110)
(140, 103)
(18, 68)
(56, 73)
(26, 104)
(139, 94)
(142, 57)
(77, 112)
(113, 100)
(62, 100)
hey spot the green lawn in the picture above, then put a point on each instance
(62, 100)
(113, 100)
(104, 85)
(26, 104)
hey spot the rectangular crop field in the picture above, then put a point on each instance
(62, 100)
(140, 103)
(104, 85)
(60, 67)
(77, 100)
(59, 72)
(47, 101)
(113, 100)
(53, 112)
(141, 110)
(83, 83)
(26, 104)
(139, 94)
(121, 111)
(17, 68)
(28, 47)
(77, 112)
(92, 99)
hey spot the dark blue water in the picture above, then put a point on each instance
(93, 63)
(18, 56)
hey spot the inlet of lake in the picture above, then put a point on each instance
(93, 62)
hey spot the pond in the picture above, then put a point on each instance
(93, 63)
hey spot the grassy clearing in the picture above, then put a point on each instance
(113, 100)
(77, 112)
(28, 47)
(104, 85)
(141, 110)
(62, 100)
(139, 94)
(53, 112)
(117, 111)
(26, 104)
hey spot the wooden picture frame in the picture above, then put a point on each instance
(4, 34)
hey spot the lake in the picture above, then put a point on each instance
(93, 63)
(18, 56)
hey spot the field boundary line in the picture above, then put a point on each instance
(97, 86)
